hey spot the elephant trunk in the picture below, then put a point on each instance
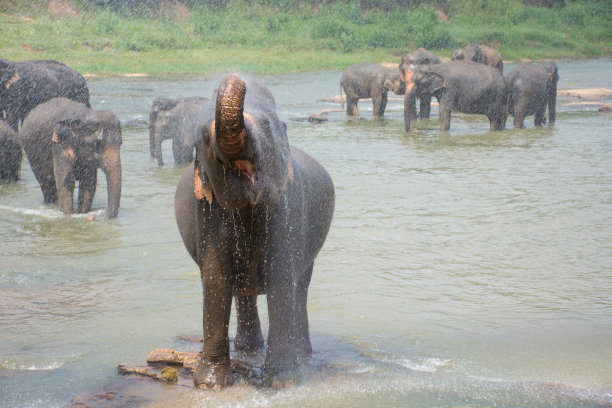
(409, 96)
(111, 165)
(230, 129)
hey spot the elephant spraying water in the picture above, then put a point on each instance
(253, 212)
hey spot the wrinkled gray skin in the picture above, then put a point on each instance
(66, 141)
(25, 84)
(10, 153)
(253, 213)
(182, 124)
(461, 86)
(531, 88)
(162, 104)
(412, 61)
(482, 54)
(367, 80)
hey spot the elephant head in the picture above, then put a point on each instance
(394, 83)
(423, 80)
(80, 147)
(245, 150)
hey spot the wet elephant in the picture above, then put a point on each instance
(482, 54)
(182, 124)
(531, 88)
(462, 86)
(162, 104)
(367, 80)
(412, 61)
(253, 213)
(25, 84)
(66, 141)
(10, 153)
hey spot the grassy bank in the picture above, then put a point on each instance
(250, 37)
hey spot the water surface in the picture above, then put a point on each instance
(462, 269)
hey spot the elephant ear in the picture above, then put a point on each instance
(62, 131)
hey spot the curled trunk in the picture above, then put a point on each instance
(229, 121)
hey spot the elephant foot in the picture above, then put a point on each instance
(284, 378)
(249, 340)
(212, 376)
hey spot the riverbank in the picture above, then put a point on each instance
(272, 38)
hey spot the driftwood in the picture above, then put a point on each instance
(594, 93)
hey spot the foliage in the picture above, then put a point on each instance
(291, 35)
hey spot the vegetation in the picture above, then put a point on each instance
(158, 37)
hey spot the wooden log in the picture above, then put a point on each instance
(171, 357)
(595, 93)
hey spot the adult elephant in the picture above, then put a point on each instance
(253, 213)
(163, 104)
(66, 141)
(482, 54)
(412, 61)
(461, 86)
(182, 124)
(531, 88)
(368, 80)
(10, 153)
(25, 84)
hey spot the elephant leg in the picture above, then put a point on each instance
(64, 179)
(540, 116)
(445, 118)
(87, 189)
(425, 106)
(41, 163)
(519, 118)
(379, 105)
(351, 105)
(284, 347)
(248, 334)
(214, 370)
(304, 345)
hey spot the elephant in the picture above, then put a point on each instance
(531, 88)
(368, 80)
(482, 54)
(463, 86)
(182, 124)
(253, 213)
(162, 104)
(66, 141)
(10, 153)
(25, 84)
(410, 61)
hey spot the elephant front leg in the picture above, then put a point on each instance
(288, 336)
(213, 371)
(379, 105)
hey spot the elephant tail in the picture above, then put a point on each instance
(341, 101)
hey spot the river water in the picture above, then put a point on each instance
(462, 269)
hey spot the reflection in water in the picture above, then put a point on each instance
(464, 268)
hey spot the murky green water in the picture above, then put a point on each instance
(462, 269)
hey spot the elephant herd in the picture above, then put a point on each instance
(471, 82)
(253, 211)
(46, 112)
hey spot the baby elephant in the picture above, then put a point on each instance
(531, 88)
(66, 141)
(10, 153)
(367, 80)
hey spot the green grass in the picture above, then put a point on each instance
(247, 36)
